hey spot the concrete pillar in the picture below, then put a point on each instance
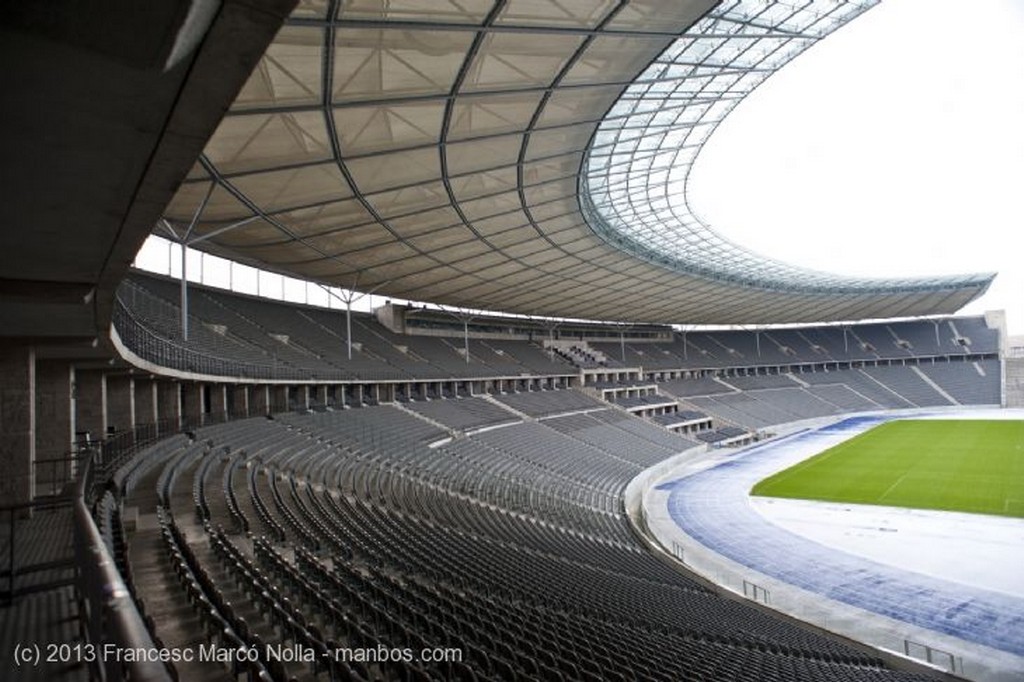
(17, 423)
(55, 425)
(320, 394)
(121, 403)
(91, 403)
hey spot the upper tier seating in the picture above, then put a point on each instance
(243, 336)
(848, 390)
(258, 338)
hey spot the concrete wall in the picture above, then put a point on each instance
(55, 424)
(192, 402)
(91, 403)
(259, 400)
(238, 400)
(1014, 382)
(17, 423)
(168, 405)
(121, 403)
(218, 403)
(278, 398)
(146, 401)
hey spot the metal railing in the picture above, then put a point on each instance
(15, 541)
(152, 346)
(106, 608)
(164, 352)
(53, 474)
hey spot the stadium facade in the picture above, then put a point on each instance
(510, 156)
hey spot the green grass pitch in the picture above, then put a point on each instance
(972, 466)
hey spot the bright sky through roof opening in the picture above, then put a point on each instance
(894, 147)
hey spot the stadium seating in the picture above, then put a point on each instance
(476, 511)
(508, 546)
(241, 336)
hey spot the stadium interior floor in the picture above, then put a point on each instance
(980, 552)
(972, 549)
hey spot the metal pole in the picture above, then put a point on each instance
(348, 323)
(465, 331)
(622, 343)
(757, 340)
(10, 560)
(184, 293)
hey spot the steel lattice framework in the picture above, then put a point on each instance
(506, 155)
(633, 190)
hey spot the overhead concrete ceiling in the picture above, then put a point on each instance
(434, 150)
(106, 107)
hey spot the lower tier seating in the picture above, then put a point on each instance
(506, 553)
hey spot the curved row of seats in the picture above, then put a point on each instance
(363, 531)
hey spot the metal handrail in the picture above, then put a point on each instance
(108, 611)
(14, 512)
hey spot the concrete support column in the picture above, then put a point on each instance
(55, 424)
(320, 394)
(121, 403)
(91, 403)
(17, 423)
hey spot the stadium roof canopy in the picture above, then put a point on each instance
(525, 156)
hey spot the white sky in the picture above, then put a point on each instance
(893, 147)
